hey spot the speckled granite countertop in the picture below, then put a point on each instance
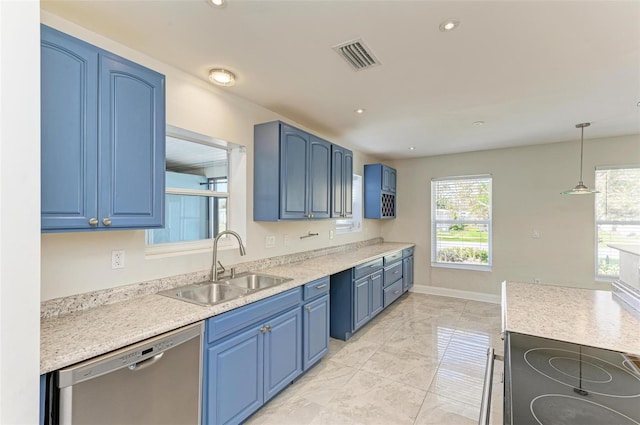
(74, 337)
(580, 316)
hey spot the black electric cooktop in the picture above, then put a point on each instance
(554, 383)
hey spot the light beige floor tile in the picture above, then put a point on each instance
(458, 386)
(375, 400)
(440, 410)
(296, 412)
(432, 343)
(403, 367)
(478, 307)
(355, 353)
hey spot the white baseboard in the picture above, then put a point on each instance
(456, 293)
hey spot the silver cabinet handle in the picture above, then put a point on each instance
(106, 221)
(375, 277)
(324, 285)
(263, 330)
(396, 272)
(308, 308)
(485, 407)
(93, 221)
(396, 292)
(269, 328)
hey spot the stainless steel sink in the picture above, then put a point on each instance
(256, 281)
(210, 293)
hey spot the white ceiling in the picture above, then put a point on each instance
(530, 69)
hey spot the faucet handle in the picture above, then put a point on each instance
(221, 269)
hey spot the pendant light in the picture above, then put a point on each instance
(580, 188)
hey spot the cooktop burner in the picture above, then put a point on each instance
(584, 372)
(550, 382)
(556, 409)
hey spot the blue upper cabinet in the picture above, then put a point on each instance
(292, 174)
(102, 138)
(379, 191)
(341, 182)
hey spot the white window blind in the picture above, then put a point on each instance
(461, 222)
(617, 215)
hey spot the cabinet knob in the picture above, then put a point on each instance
(106, 221)
(263, 329)
(93, 221)
(308, 308)
(269, 327)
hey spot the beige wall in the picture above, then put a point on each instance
(527, 182)
(74, 263)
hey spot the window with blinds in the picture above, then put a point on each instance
(617, 215)
(461, 222)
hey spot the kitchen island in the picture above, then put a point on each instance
(571, 356)
(580, 316)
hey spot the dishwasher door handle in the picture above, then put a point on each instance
(145, 363)
(485, 407)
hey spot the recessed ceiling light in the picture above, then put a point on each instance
(216, 3)
(412, 148)
(478, 123)
(222, 77)
(359, 111)
(449, 25)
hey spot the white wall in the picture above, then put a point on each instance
(73, 263)
(527, 182)
(19, 211)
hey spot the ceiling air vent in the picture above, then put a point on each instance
(357, 54)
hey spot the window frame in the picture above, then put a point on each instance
(599, 277)
(435, 222)
(236, 162)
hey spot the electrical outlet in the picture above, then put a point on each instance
(270, 241)
(330, 234)
(535, 234)
(117, 259)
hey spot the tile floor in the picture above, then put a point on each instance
(420, 361)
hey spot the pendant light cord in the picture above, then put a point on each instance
(581, 150)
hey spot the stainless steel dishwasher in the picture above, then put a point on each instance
(156, 381)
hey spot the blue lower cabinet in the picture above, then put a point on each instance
(282, 352)
(361, 306)
(407, 273)
(316, 331)
(234, 377)
(376, 294)
(251, 354)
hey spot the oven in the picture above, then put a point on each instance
(553, 382)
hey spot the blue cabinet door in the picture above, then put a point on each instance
(348, 183)
(132, 144)
(377, 303)
(319, 168)
(282, 352)
(341, 182)
(316, 331)
(361, 302)
(407, 273)
(69, 131)
(294, 151)
(234, 378)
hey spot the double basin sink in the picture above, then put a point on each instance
(211, 293)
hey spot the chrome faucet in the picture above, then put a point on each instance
(214, 266)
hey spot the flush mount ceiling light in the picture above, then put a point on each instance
(449, 25)
(216, 3)
(359, 111)
(478, 123)
(412, 148)
(222, 77)
(580, 188)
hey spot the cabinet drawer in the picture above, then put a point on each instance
(407, 252)
(388, 259)
(392, 273)
(368, 268)
(235, 320)
(315, 288)
(392, 293)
